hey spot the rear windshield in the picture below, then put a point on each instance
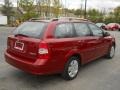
(31, 29)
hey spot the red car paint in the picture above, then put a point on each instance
(48, 54)
(113, 26)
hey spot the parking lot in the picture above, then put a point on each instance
(102, 74)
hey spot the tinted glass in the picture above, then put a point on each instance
(64, 30)
(96, 30)
(82, 29)
(31, 29)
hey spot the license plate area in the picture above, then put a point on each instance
(19, 45)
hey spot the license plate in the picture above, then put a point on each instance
(19, 45)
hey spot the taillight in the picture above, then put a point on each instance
(43, 51)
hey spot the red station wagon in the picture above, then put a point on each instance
(62, 45)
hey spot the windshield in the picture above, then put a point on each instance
(31, 29)
(100, 24)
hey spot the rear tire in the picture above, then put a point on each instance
(111, 52)
(71, 68)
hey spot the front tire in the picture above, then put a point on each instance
(111, 52)
(71, 69)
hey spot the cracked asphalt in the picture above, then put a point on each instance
(102, 74)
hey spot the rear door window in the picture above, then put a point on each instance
(31, 29)
(82, 29)
(64, 30)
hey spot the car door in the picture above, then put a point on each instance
(101, 43)
(86, 42)
(62, 43)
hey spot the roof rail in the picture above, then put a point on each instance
(73, 18)
(39, 19)
(55, 19)
(60, 19)
(82, 19)
(32, 19)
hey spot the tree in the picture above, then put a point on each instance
(47, 6)
(113, 16)
(57, 6)
(117, 14)
(79, 12)
(95, 15)
(39, 6)
(28, 9)
(7, 9)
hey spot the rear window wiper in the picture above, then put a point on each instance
(21, 35)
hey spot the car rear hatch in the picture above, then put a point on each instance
(24, 43)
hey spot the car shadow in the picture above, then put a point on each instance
(94, 63)
(35, 81)
(42, 81)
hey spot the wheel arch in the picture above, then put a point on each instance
(113, 43)
(75, 55)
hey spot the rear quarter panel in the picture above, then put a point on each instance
(61, 50)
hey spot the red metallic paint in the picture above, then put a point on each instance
(88, 48)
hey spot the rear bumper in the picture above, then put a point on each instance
(36, 68)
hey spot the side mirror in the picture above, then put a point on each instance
(106, 34)
(103, 27)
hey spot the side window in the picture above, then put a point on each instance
(64, 31)
(82, 29)
(96, 30)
